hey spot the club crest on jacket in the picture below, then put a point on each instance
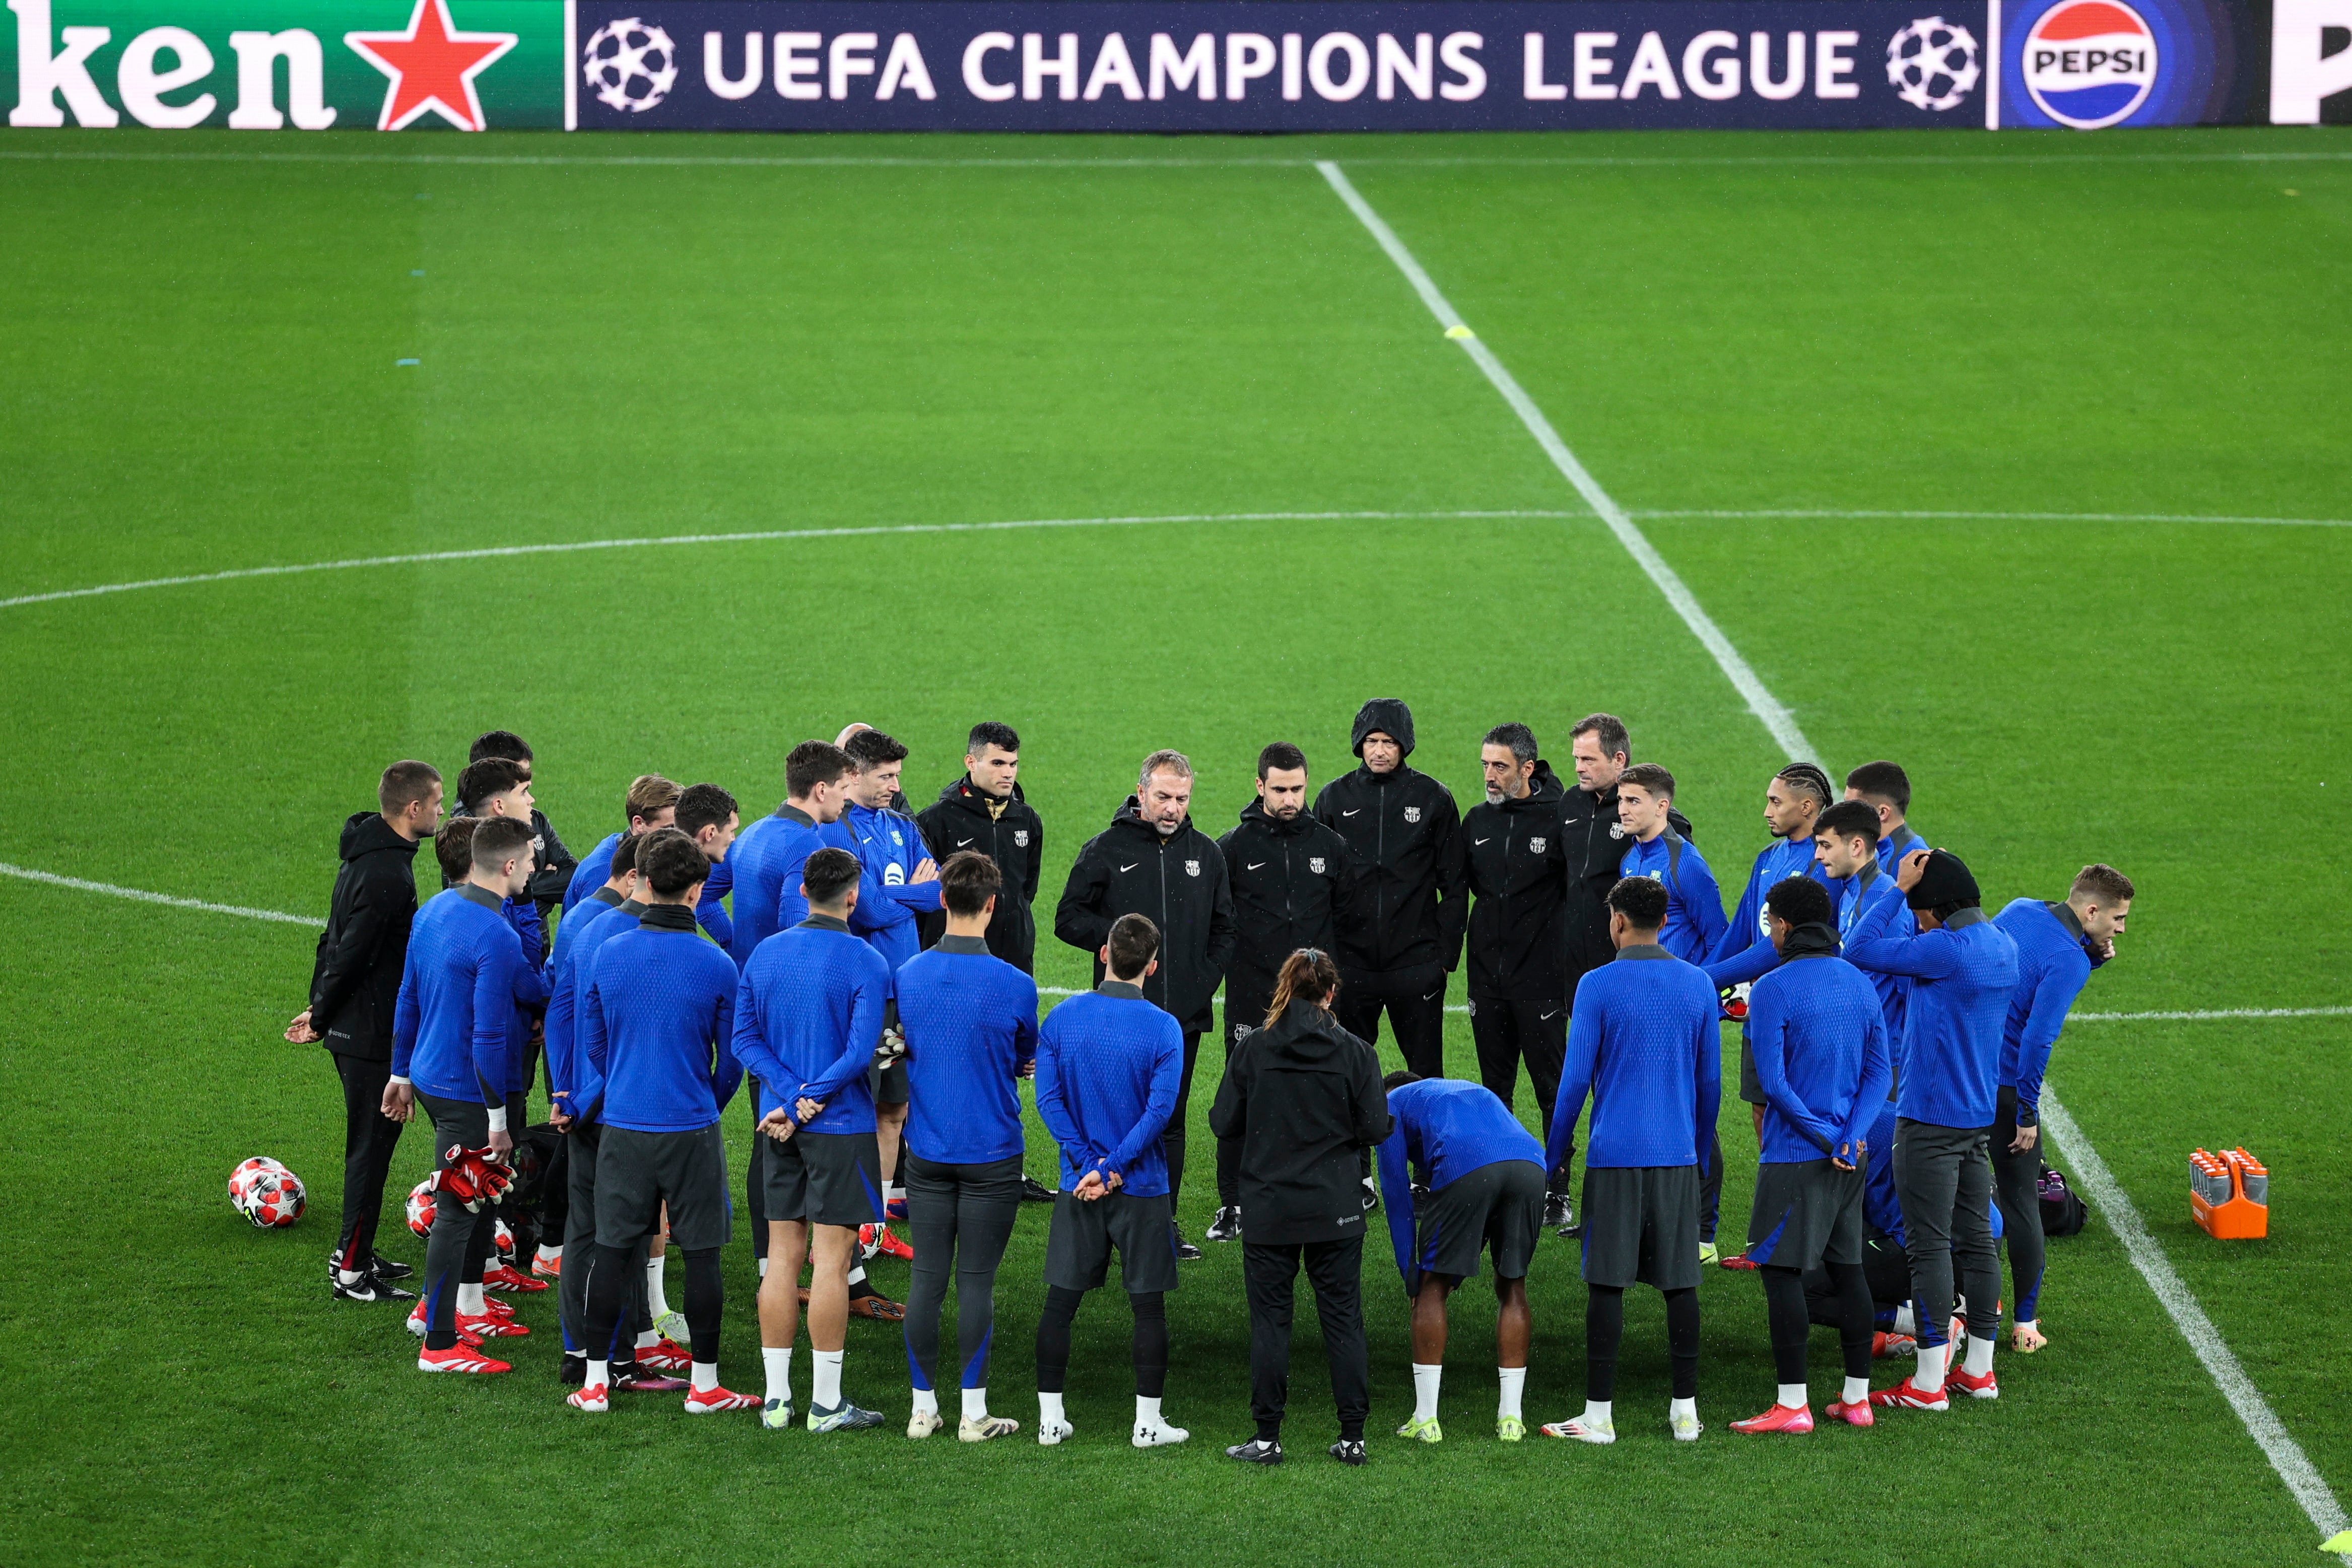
(1412, 813)
(1021, 838)
(1315, 864)
(1535, 846)
(1191, 868)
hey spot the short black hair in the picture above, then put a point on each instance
(828, 874)
(1608, 729)
(1650, 776)
(1281, 755)
(812, 763)
(870, 748)
(1134, 943)
(1849, 819)
(990, 733)
(1517, 736)
(701, 806)
(1885, 781)
(1398, 1080)
(491, 776)
(624, 855)
(503, 743)
(1800, 901)
(671, 861)
(1641, 901)
(1804, 776)
(968, 881)
(403, 783)
(498, 840)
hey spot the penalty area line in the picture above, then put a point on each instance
(2286, 1457)
(142, 895)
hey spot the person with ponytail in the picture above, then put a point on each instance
(1303, 1098)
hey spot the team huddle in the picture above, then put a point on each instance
(873, 979)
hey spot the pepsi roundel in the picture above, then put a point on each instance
(2090, 63)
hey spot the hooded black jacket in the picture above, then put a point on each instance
(1180, 882)
(1303, 1097)
(1519, 868)
(355, 982)
(555, 864)
(1596, 847)
(1292, 881)
(1014, 838)
(1406, 834)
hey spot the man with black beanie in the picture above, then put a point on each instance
(1403, 934)
(355, 987)
(1963, 970)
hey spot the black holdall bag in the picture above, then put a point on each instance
(2063, 1211)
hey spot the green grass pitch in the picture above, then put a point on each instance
(199, 371)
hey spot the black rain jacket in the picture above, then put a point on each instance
(1292, 881)
(1014, 838)
(355, 983)
(1180, 882)
(1519, 868)
(1405, 832)
(1305, 1099)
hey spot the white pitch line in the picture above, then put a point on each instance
(143, 896)
(764, 534)
(2212, 1015)
(2310, 1489)
(2006, 516)
(1760, 701)
(2286, 1455)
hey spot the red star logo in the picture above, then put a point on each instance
(431, 66)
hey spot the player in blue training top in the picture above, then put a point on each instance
(1109, 1067)
(900, 881)
(1821, 1056)
(1461, 1176)
(451, 1044)
(1885, 788)
(971, 1020)
(1644, 1042)
(707, 815)
(652, 803)
(808, 1021)
(1695, 923)
(1963, 970)
(1846, 843)
(2058, 945)
(658, 1010)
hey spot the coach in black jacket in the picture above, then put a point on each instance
(1151, 860)
(1303, 1099)
(984, 810)
(354, 985)
(1403, 936)
(1595, 840)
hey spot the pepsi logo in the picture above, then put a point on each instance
(2089, 63)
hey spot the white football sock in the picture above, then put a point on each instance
(1906, 1321)
(1515, 1382)
(705, 1376)
(1049, 1407)
(1979, 1358)
(1856, 1391)
(896, 1195)
(975, 1404)
(1424, 1391)
(1929, 1378)
(1597, 1413)
(597, 1374)
(549, 1255)
(469, 1300)
(648, 1338)
(826, 1396)
(779, 1364)
(1683, 1408)
(347, 1276)
(927, 1401)
(659, 1302)
(1791, 1396)
(1147, 1411)
(857, 1273)
(763, 1268)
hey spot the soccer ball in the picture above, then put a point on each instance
(275, 1200)
(420, 1208)
(1932, 64)
(246, 1173)
(631, 66)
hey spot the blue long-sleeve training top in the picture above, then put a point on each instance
(1962, 977)
(522, 915)
(971, 1022)
(888, 847)
(1819, 1043)
(1643, 1041)
(807, 1017)
(1745, 952)
(1856, 895)
(596, 869)
(2051, 970)
(769, 858)
(465, 975)
(563, 998)
(1108, 1064)
(588, 1065)
(1693, 903)
(660, 1012)
(1443, 1129)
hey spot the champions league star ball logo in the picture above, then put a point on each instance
(631, 66)
(1932, 64)
(2090, 63)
